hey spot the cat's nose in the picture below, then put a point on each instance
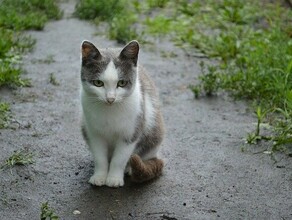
(110, 100)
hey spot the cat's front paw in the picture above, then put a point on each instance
(97, 180)
(113, 181)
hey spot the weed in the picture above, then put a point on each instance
(26, 14)
(253, 43)
(253, 138)
(47, 213)
(121, 28)
(53, 80)
(19, 157)
(156, 3)
(48, 60)
(4, 114)
(168, 54)
(209, 81)
(105, 10)
(4, 199)
(119, 15)
(12, 45)
(159, 25)
(16, 16)
(196, 89)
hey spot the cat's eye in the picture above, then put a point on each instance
(98, 83)
(122, 83)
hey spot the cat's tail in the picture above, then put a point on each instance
(145, 170)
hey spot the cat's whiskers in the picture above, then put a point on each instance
(94, 99)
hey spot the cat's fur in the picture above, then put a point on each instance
(122, 125)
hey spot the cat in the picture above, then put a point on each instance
(121, 121)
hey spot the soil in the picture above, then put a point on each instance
(208, 174)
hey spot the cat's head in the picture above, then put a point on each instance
(109, 75)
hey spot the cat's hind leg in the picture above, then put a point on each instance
(128, 170)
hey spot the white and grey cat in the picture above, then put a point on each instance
(122, 123)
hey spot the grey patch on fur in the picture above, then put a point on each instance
(138, 130)
(84, 134)
(92, 70)
(130, 52)
(140, 123)
(147, 86)
(93, 63)
(127, 71)
(152, 139)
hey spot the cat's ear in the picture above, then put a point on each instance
(130, 52)
(88, 50)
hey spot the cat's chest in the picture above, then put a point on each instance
(112, 121)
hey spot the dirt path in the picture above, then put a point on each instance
(206, 175)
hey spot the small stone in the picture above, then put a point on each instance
(76, 212)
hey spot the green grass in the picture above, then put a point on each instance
(12, 46)
(156, 3)
(27, 14)
(4, 114)
(121, 29)
(48, 60)
(104, 10)
(48, 213)
(119, 15)
(53, 80)
(15, 17)
(159, 25)
(19, 157)
(253, 45)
